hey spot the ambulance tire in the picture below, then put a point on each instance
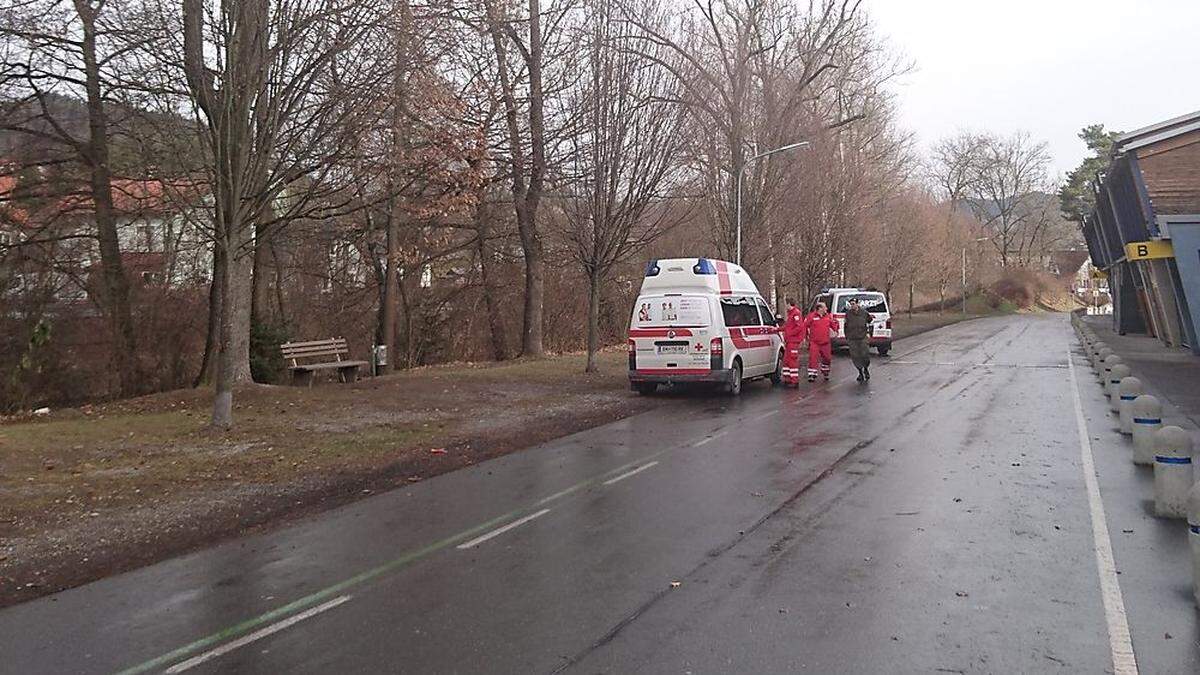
(883, 349)
(646, 388)
(777, 376)
(734, 388)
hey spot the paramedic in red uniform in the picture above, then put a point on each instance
(820, 327)
(793, 339)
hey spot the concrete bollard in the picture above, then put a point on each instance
(1147, 419)
(1194, 539)
(1131, 388)
(1098, 354)
(1106, 369)
(1119, 372)
(1172, 472)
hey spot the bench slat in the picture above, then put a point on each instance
(314, 342)
(331, 364)
(311, 345)
(305, 348)
(310, 351)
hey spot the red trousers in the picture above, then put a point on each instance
(791, 362)
(819, 355)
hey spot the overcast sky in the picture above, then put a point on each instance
(1048, 67)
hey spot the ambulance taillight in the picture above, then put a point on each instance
(888, 324)
(632, 354)
(716, 354)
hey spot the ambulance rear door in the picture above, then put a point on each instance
(670, 334)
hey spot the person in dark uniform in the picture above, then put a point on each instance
(858, 332)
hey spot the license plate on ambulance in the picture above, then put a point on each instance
(672, 349)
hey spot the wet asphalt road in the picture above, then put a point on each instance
(935, 520)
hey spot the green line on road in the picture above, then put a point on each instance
(246, 626)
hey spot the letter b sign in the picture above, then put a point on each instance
(1143, 250)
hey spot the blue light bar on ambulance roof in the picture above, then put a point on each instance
(652, 268)
(704, 266)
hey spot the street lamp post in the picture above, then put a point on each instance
(740, 170)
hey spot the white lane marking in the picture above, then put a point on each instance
(1124, 660)
(559, 494)
(501, 530)
(627, 474)
(702, 441)
(256, 635)
(763, 417)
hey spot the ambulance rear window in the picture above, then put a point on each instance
(671, 310)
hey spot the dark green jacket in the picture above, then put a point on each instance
(858, 324)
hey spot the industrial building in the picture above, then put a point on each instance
(1145, 231)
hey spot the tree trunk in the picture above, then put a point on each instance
(531, 241)
(390, 282)
(495, 319)
(399, 142)
(212, 338)
(116, 284)
(233, 358)
(911, 286)
(279, 304)
(259, 296)
(531, 342)
(593, 329)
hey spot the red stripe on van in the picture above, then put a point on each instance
(723, 278)
(672, 371)
(658, 332)
(738, 337)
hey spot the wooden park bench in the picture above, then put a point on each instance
(302, 372)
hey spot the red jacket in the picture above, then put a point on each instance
(820, 329)
(793, 328)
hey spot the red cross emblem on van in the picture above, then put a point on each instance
(671, 334)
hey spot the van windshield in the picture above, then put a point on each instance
(872, 302)
(671, 310)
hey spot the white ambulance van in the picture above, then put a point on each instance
(836, 299)
(699, 320)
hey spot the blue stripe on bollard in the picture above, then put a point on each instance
(1172, 460)
(1127, 398)
(1147, 420)
(1194, 528)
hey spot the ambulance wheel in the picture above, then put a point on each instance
(883, 349)
(734, 387)
(646, 388)
(777, 376)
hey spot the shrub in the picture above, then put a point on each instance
(266, 361)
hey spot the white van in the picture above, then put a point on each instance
(701, 320)
(873, 301)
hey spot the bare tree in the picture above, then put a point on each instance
(748, 71)
(275, 110)
(1003, 182)
(527, 169)
(67, 50)
(624, 156)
